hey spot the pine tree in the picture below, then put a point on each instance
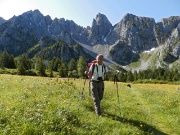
(135, 75)
(175, 75)
(25, 61)
(11, 62)
(21, 69)
(51, 70)
(81, 66)
(140, 75)
(40, 67)
(55, 62)
(23, 64)
(129, 77)
(72, 65)
(122, 77)
(63, 69)
(7, 60)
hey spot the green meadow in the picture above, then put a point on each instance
(54, 106)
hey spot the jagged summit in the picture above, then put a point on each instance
(101, 26)
(123, 43)
(101, 18)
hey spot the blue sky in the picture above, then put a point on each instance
(82, 12)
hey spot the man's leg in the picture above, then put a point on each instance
(101, 90)
(95, 95)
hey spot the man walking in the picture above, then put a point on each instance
(96, 74)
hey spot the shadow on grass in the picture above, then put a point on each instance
(147, 129)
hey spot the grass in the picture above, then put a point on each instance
(48, 106)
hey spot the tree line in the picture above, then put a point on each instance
(75, 69)
(159, 75)
(40, 67)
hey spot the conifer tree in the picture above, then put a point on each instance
(175, 75)
(72, 65)
(81, 66)
(26, 62)
(135, 75)
(20, 68)
(63, 69)
(40, 67)
(129, 77)
(7, 60)
(122, 77)
(55, 63)
(11, 62)
(140, 75)
(23, 64)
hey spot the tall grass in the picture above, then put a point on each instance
(39, 105)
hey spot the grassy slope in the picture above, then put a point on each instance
(37, 105)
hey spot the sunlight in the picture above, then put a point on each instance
(9, 8)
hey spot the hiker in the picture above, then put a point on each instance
(96, 74)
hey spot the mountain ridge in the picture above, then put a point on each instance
(122, 43)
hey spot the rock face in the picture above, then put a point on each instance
(100, 29)
(137, 32)
(168, 35)
(123, 43)
(124, 55)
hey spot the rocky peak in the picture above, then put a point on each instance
(34, 16)
(128, 16)
(2, 20)
(168, 24)
(102, 19)
(100, 28)
(165, 27)
(136, 32)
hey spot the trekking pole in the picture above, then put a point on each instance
(115, 81)
(89, 87)
(82, 93)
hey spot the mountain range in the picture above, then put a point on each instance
(134, 43)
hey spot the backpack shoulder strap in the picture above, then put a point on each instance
(94, 64)
(93, 68)
(104, 68)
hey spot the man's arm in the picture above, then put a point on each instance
(88, 73)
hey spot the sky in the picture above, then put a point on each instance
(82, 12)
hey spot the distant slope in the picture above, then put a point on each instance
(101, 49)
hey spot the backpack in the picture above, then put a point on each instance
(93, 63)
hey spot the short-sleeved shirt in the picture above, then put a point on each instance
(101, 70)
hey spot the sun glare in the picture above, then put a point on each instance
(9, 8)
